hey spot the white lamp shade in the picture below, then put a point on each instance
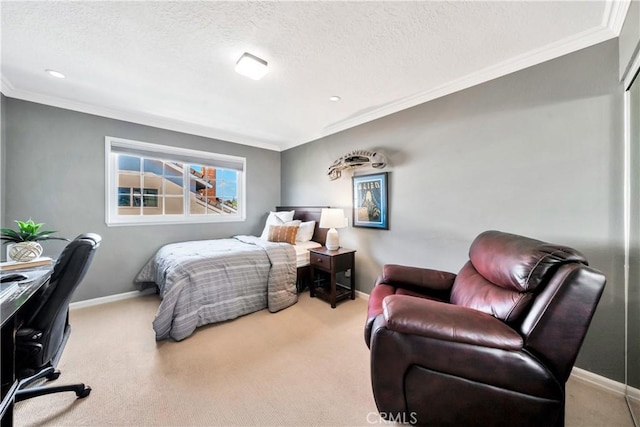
(332, 218)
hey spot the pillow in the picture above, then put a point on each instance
(276, 218)
(283, 233)
(305, 232)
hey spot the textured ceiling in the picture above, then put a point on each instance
(170, 64)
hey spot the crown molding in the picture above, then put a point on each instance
(135, 117)
(613, 19)
(614, 15)
(517, 63)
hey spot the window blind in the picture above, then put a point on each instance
(184, 155)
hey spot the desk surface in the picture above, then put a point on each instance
(9, 312)
(36, 277)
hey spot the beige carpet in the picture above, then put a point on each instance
(307, 365)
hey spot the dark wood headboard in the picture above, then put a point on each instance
(308, 213)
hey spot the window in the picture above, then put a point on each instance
(152, 184)
(131, 197)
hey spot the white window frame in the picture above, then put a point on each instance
(168, 153)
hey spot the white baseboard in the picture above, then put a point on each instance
(361, 294)
(110, 298)
(633, 393)
(599, 381)
(134, 294)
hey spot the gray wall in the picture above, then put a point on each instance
(55, 173)
(538, 152)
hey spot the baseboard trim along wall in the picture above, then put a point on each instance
(577, 373)
(598, 381)
(633, 393)
(110, 298)
(361, 294)
(134, 294)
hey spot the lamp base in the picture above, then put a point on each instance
(333, 241)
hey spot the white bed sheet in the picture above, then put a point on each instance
(302, 252)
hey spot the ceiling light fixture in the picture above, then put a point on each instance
(54, 73)
(334, 98)
(251, 66)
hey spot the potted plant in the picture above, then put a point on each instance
(23, 242)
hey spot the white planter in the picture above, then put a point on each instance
(23, 251)
(9, 246)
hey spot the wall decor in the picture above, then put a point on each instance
(370, 201)
(356, 159)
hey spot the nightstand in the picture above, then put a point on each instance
(324, 267)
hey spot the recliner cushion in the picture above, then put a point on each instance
(474, 291)
(504, 270)
(516, 262)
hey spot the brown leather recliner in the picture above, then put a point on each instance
(492, 345)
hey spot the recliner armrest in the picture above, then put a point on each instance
(427, 278)
(423, 282)
(448, 322)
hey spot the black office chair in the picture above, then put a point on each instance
(44, 333)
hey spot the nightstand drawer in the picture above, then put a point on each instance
(321, 261)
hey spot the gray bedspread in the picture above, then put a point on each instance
(209, 281)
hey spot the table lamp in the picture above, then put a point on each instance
(332, 218)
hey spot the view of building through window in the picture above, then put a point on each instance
(216, 188)
(157, 187)
(149, 183)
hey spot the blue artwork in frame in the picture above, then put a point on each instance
(370, 201)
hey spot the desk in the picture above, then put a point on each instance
(11, 314)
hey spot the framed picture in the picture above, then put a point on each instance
(370, 201)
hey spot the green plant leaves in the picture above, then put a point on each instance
(27, 231)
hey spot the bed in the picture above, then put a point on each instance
(209, 281)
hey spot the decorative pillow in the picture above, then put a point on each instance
(276, 218)
(283, 233)
(305, 232)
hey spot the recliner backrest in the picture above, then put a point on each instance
(505, 271)
(51, 315)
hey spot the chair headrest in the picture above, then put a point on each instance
(87, 240)
(517, 262)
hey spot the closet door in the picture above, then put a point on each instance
(632, 99)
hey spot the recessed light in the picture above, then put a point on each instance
(334, 98)
(251, 66)
(56, 74)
